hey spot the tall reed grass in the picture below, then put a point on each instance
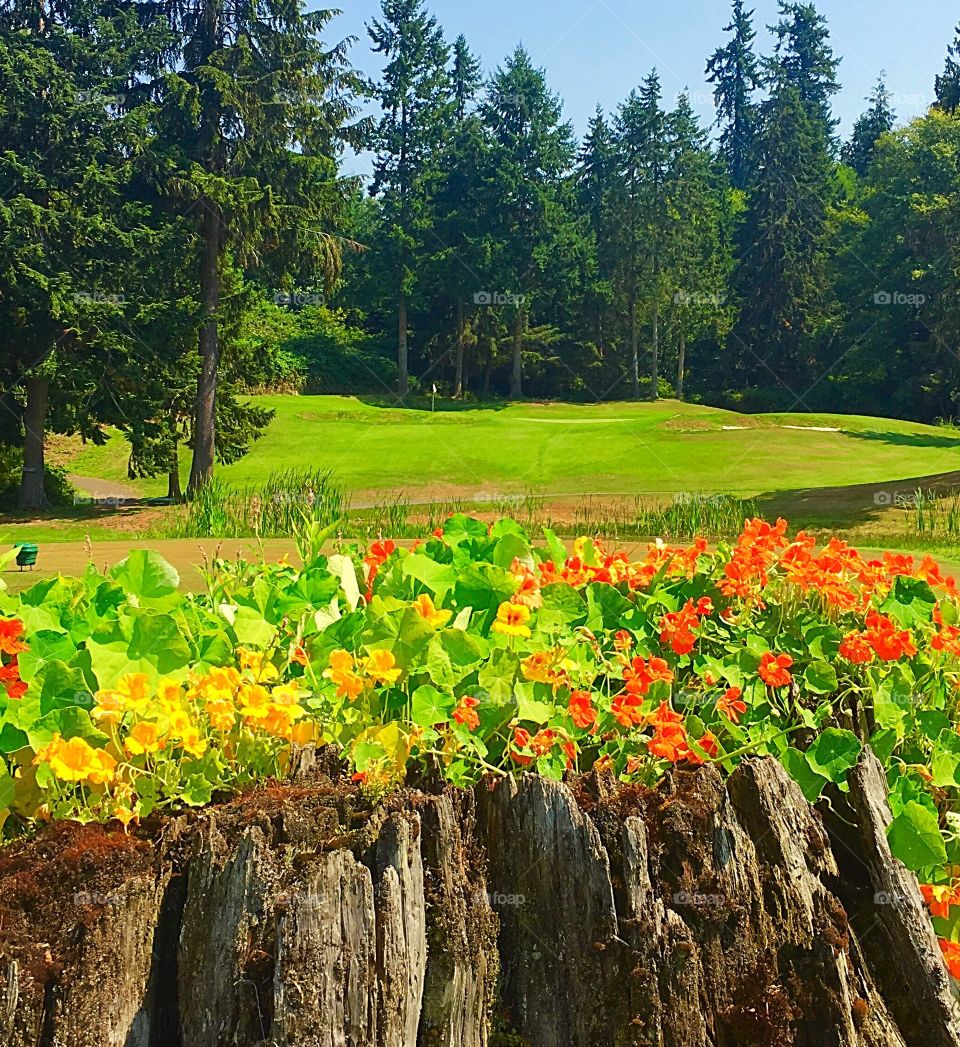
(286, 502)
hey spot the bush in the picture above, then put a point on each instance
(60, 492)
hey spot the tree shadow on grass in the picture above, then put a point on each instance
(908, 439)
(853, 505)
(418, 402)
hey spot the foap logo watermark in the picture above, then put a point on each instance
(696, 900)
(899, 499)
(98, 298)
(885, 299)
(91, 501)
(491, 298)
(898, 899)
(99, 899)
(501, 900)
(87, 96)
(297, 299)
(699, 298)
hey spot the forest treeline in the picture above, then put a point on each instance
(176, 228)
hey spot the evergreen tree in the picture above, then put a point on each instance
(459, 259)
(416, 100)
(643, 156)
(804, 59)
(532, 153)
(66, 222)
(947, 85)
(253, 108)
(875, 122)
(735, 72)
(698, 255)
(597, 184)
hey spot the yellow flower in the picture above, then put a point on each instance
(193, 743)
(143, 738)
(382, 666)
(125, 816)
(132, 694)
(280, 719)
(286, 694)
(253, 700)
(77, 761)
(257, 663)
(169, 695)
(304, 732)
(341, 672)
(218, 685)
(424, 606)
(221, 714)
(512, 620)
(544, 667)
(102, 768)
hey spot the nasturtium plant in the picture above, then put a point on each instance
(482, 651)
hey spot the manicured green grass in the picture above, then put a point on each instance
(568, 449)
(617, 448)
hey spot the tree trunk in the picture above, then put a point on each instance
(403, 384)
(174, 491)
(634, 349)
(703, 913)
(33, 495)
(655, 347)
(516, 376)
(204, 430)
(681, 365)
(458, 361)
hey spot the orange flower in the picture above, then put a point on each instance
(641, 674)
(623, 640)
(627, 709)
(951, 956)
(11, 629)
(940, 898)
(731, 704)
(542, 742)
(664, 718)
(856, 649)
(889, 642)
(581, 709)
(521, 740)
(298, 654)
(774, 669)
(465, 713)
(669, 743)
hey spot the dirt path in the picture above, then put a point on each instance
(104, 491)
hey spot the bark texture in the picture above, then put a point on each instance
(704, 913)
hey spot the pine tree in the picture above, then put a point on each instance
(698, 255)
(947, 86)
(458, 260)
(643, 156)
(66, 152)
(532, 153)
(804, 59)
(878, 120)
(254, 107)
(735, 71)
(597, 185)
(416, 100)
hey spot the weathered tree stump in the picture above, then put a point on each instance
(704, 913)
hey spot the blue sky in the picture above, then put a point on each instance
(597, 50)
